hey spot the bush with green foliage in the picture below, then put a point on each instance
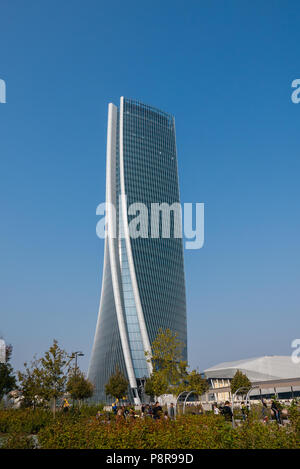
(24, 420)
(187, 432)
(184, 433)
(255, 435)
(83, 429)
(18, 441)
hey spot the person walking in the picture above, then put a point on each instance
(216, 409)
(276, 411)
(66, 406)
(150, 411)
(244, 409)
(172, 411)
(157, 410)
(120, 415)
(115, 408)
(125, 412)
(227, 412)
(264, 411)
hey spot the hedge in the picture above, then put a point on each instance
(24, 420)
(187, 432)
(81, 431)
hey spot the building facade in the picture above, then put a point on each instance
(143, 286)
(271, 375)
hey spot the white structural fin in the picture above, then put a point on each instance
(138, 305)
(112, 240)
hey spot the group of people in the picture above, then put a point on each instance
(226, 411)
(156, 412)
(153, 411)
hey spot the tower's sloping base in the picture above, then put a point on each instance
(107, 350)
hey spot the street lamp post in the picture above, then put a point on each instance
(77, 354)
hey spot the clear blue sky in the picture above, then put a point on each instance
(224, 69)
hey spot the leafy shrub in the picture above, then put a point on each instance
(294, 415)
(18, 441)
(253, 435)
(23, 420)
(77, 429)
(187, 432)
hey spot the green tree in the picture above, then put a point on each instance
(7, 378)
(150, 387)
(240, 380)
(30, 384)
(169, 370)
(45, 379)
(53, 373)
(117, 385)
(197, 383)
(156, 385)
(78, 386)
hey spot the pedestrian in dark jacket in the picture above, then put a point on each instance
(227, 412)
(264, 411)
(276, 410)
(172, 411)
(157, 411)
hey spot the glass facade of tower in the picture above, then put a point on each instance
(143, 278)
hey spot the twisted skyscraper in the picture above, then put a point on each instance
(143, 287)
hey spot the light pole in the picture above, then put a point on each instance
(77, 354)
